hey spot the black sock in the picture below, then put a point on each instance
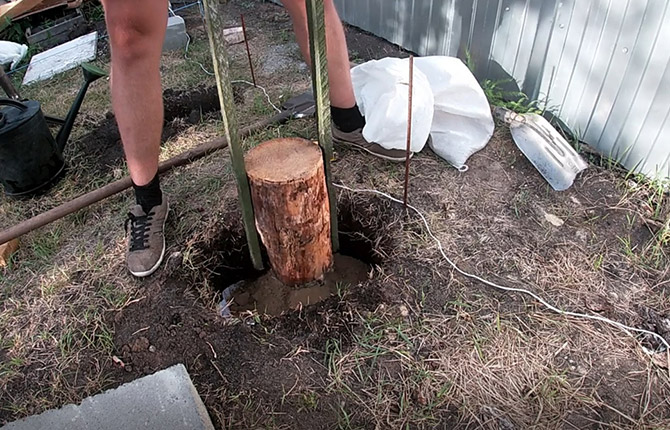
(347, 120)
(149, 195)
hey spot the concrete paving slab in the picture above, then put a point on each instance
(166, 400)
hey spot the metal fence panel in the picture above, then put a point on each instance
(601, 66)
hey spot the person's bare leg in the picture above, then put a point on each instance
(347, 119)
(341, 89)
(136, 33)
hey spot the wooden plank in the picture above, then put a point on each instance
(316, 22)
(11, 10)
(215, 29)
(50, 4)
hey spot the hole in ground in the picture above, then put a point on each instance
(364, 241)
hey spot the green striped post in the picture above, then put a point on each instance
(317, 42)
(215, 25)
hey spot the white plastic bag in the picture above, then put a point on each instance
(463, 123)
(11, 53)
(448, 104)
(382, 94)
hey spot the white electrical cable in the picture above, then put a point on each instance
(549, 306)
(267, 96)
(239, 81)
(188, 43)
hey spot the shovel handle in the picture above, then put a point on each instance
(507, 116)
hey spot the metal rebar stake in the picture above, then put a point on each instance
(217, 43)
(246, 43)
(408, 153)
(316, 23)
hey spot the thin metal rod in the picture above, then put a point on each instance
(217, 44)
(246, 42)
(316, 23)
(408, 155)
(116, 187)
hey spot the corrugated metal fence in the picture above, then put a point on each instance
(601, 66)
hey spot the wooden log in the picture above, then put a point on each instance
(290, 197)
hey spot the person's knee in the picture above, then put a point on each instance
(133, 36)
(295, 7)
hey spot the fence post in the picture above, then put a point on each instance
(318, 50)
(215, 25)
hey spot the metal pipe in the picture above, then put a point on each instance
(408, 154)
(116, 187)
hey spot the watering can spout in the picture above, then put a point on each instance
(91, 74)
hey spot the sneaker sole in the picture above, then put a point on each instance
(383, 157)
(160, 259)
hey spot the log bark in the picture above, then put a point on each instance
(288, 188)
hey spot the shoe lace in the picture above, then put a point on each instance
(140, 225)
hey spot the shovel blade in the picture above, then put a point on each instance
(555, 159)
(301, 106)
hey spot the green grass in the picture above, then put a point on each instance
(260, 106)
(46, 244)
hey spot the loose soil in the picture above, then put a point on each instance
(182, 108)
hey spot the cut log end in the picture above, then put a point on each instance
(284, 160)
(288, 188)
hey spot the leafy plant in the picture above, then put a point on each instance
(93, 11)
(15, 31)
(515, 101)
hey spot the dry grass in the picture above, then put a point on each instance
(491, 369)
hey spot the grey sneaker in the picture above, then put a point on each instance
(356, 139)
(146, 241)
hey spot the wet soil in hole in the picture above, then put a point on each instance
(268, 295)
(361, 246)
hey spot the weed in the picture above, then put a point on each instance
(520, 202)
(628, 248)
(15, 31)
(515, 101)
(458, 304)
(342, 289)
(309, 401)
(93, 11)
(343, 418)
(10, 368)
(598, 262)
(470, 61)
(285, 36)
